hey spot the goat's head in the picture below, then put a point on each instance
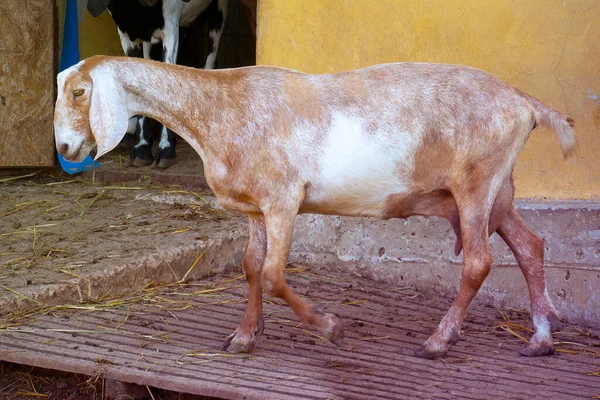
(90, 111)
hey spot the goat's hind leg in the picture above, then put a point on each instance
(474, 211)
(529, 252)
(500, 208)
(244, 337)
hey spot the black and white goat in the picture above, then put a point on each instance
(142, 23)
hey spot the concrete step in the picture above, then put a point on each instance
(420, 251)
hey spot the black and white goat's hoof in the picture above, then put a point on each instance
(164, 163)
(141, 162)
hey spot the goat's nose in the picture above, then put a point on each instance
(63, 148)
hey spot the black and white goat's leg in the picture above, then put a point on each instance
(215, 14)
(165, 153)
(170, 32)
(141, 151)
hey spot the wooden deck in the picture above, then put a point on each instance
(170, 337)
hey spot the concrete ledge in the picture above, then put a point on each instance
(156, 256)
(420, 252)
(163, 266)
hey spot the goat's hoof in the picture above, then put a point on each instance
(164, 163)
(141, 162)
(243, 340)
(239, 343)
(128, 163)
(333, 329)
(429, 354)
(540, 349)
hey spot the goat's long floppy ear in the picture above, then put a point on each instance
(97, 7)
(108, 112)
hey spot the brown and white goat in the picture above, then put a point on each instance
(389, 141)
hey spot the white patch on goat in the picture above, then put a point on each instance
(548, 302)
(212, 57)
(170, 32)
(63, 132)
(542, 327)
(164, 139)
(65, 135)
(358, 170)
(131, 125)
(142, 140)
(62, 76)
(157, 36)
(146, 46)
(126, 43)
(170, 44)
(495, 127)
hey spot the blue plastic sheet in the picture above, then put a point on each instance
(69, 57)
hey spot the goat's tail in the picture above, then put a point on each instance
(562, 125)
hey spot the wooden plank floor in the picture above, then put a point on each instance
(170, 337)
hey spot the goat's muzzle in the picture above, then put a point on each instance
(71, 150)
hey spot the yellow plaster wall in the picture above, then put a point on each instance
(96, 35)
(99, 36)
(548, 48)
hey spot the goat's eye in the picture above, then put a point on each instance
(77, 92)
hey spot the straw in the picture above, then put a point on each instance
(18, 294)
(20, 176)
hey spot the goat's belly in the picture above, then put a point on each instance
(357, 169)
(367, 198)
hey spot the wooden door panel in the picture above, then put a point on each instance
(27, 82)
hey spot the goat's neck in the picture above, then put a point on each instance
(190, 102)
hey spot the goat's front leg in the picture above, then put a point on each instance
(280, 227)
(244, 337)
(529, 252)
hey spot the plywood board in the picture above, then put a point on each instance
(27, 82)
